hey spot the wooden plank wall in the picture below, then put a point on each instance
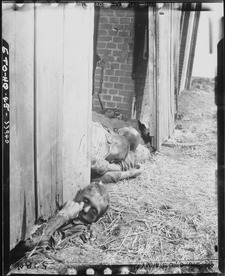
(187, 49)
(18, 31)
(165, 75)
(176, 22)
(51, 63)
(78, 60)
(152, 73)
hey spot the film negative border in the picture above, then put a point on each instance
(5, 147)
(116, 269)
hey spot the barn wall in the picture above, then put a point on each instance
(17, 30)
(49, 74)
(50, 115)
(78, 62)
(144, 77)
(115, 48)
(186, 47)
(165, 75)
(157, 82)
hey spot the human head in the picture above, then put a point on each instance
(119, 148)
(131, 135)
(96, 201)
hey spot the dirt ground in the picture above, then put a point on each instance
(169, 213)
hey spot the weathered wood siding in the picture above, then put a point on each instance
(163, 63)
(161, 80)
(50, 94)
(49, 57)
(21, 42)
(77, 97)
(186, 34)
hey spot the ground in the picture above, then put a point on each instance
(169, 213)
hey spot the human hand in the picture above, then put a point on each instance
(114, 167)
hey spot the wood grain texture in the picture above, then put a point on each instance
(78, 57)
(49, 65)
(187, 51)
(18, 32)
(152, 72)
(165, 75)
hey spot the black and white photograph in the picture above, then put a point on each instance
(113, 137)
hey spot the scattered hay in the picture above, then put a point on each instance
(169, 213)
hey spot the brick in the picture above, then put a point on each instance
(128, 39)
(95, 97)
(95, 102)
(107, 12)
(97, 78)
(126, 80)
(128, 74)
(106, 97)
(124, 33)
(97, 71)
(111, 104)
(130, 12)
(102, 32)
(131, 47)
(109, 72)
(104, 91)
(117, 99)
(103, 102)
(114, 20)
(105, 52)
(104, 38)
(120, 13)
(130, 60)
(123, 47)
(113, 91)
(129, 87)
(114, 66)
(117, 39)
(120, 73)
(123, 106)
(111, 45)
(110, 59)
(121, 59)
(127, 100)
(112, 33)
(117, 53)
(101, 45)
(103, 19)
(108, 85)
(127, 67)
(126, 20)
(125, 93)
(104, 26)
(118, 85)
(105, 78)
(114, 79)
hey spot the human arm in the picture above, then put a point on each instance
(69, 211)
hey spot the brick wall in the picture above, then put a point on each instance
(115, 46)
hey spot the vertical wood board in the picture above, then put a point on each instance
(18, 27)
(151, 71)
(49, 106)
(187, 51)
(163, 77)
(78, 63)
